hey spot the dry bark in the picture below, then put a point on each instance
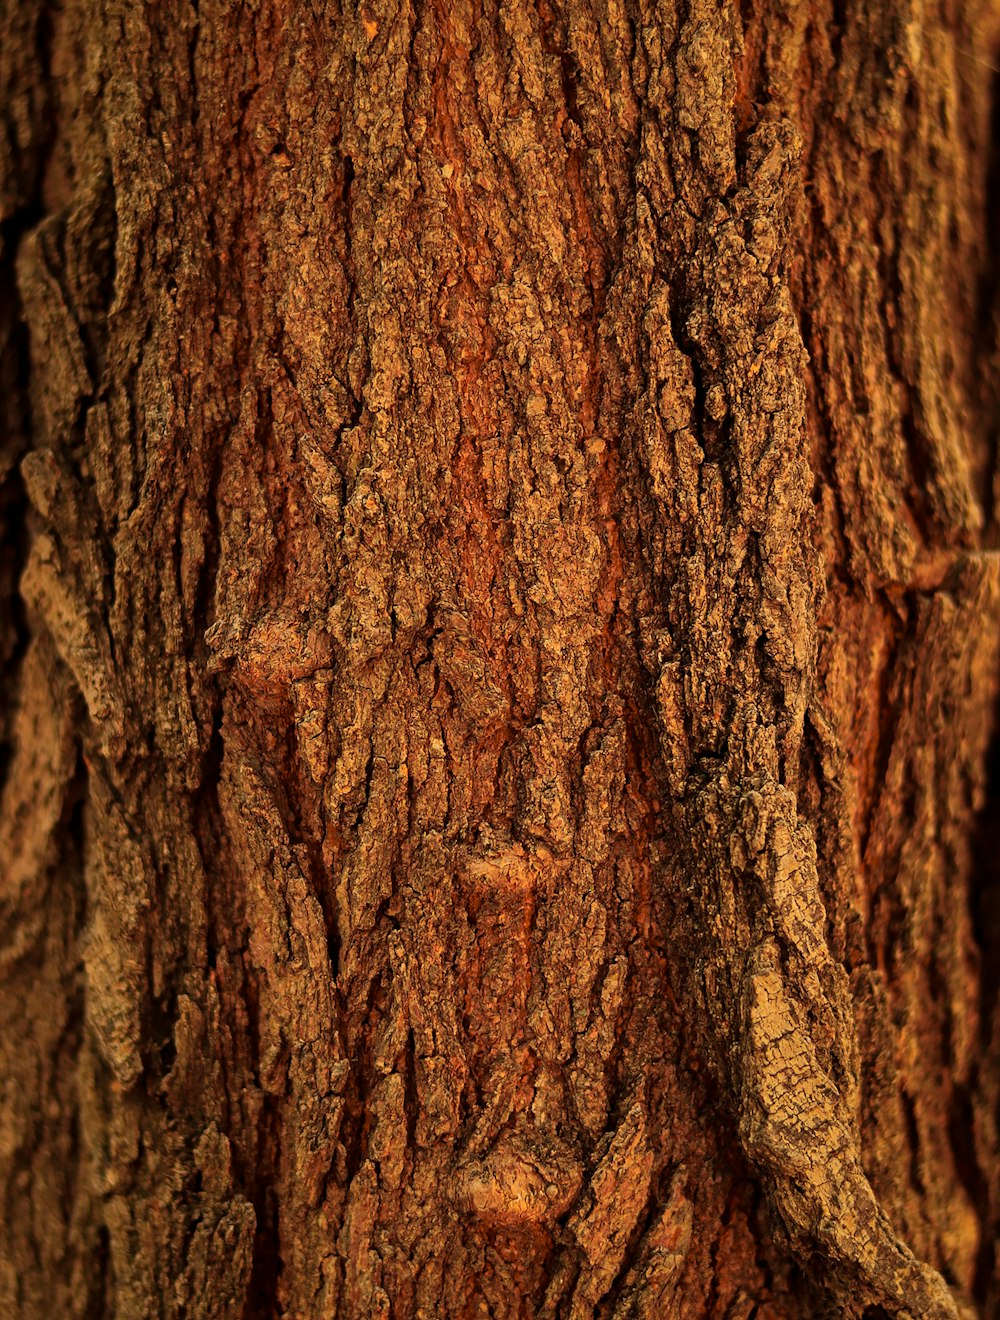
(501, 582)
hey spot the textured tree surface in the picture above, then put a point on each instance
(500, 592)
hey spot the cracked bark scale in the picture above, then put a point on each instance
(500, 585)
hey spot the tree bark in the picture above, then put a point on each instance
(501, 584)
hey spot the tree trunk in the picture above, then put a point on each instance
(500, 632)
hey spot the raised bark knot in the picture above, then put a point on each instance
(510, 867)
(270, 656)
(526, 1175)
(505, 882)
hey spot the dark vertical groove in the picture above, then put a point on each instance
(15, 415)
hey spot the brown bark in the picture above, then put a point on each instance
(500, 582)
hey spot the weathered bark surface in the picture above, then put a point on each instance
(500, 638)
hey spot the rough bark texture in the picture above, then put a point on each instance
(500, 592)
